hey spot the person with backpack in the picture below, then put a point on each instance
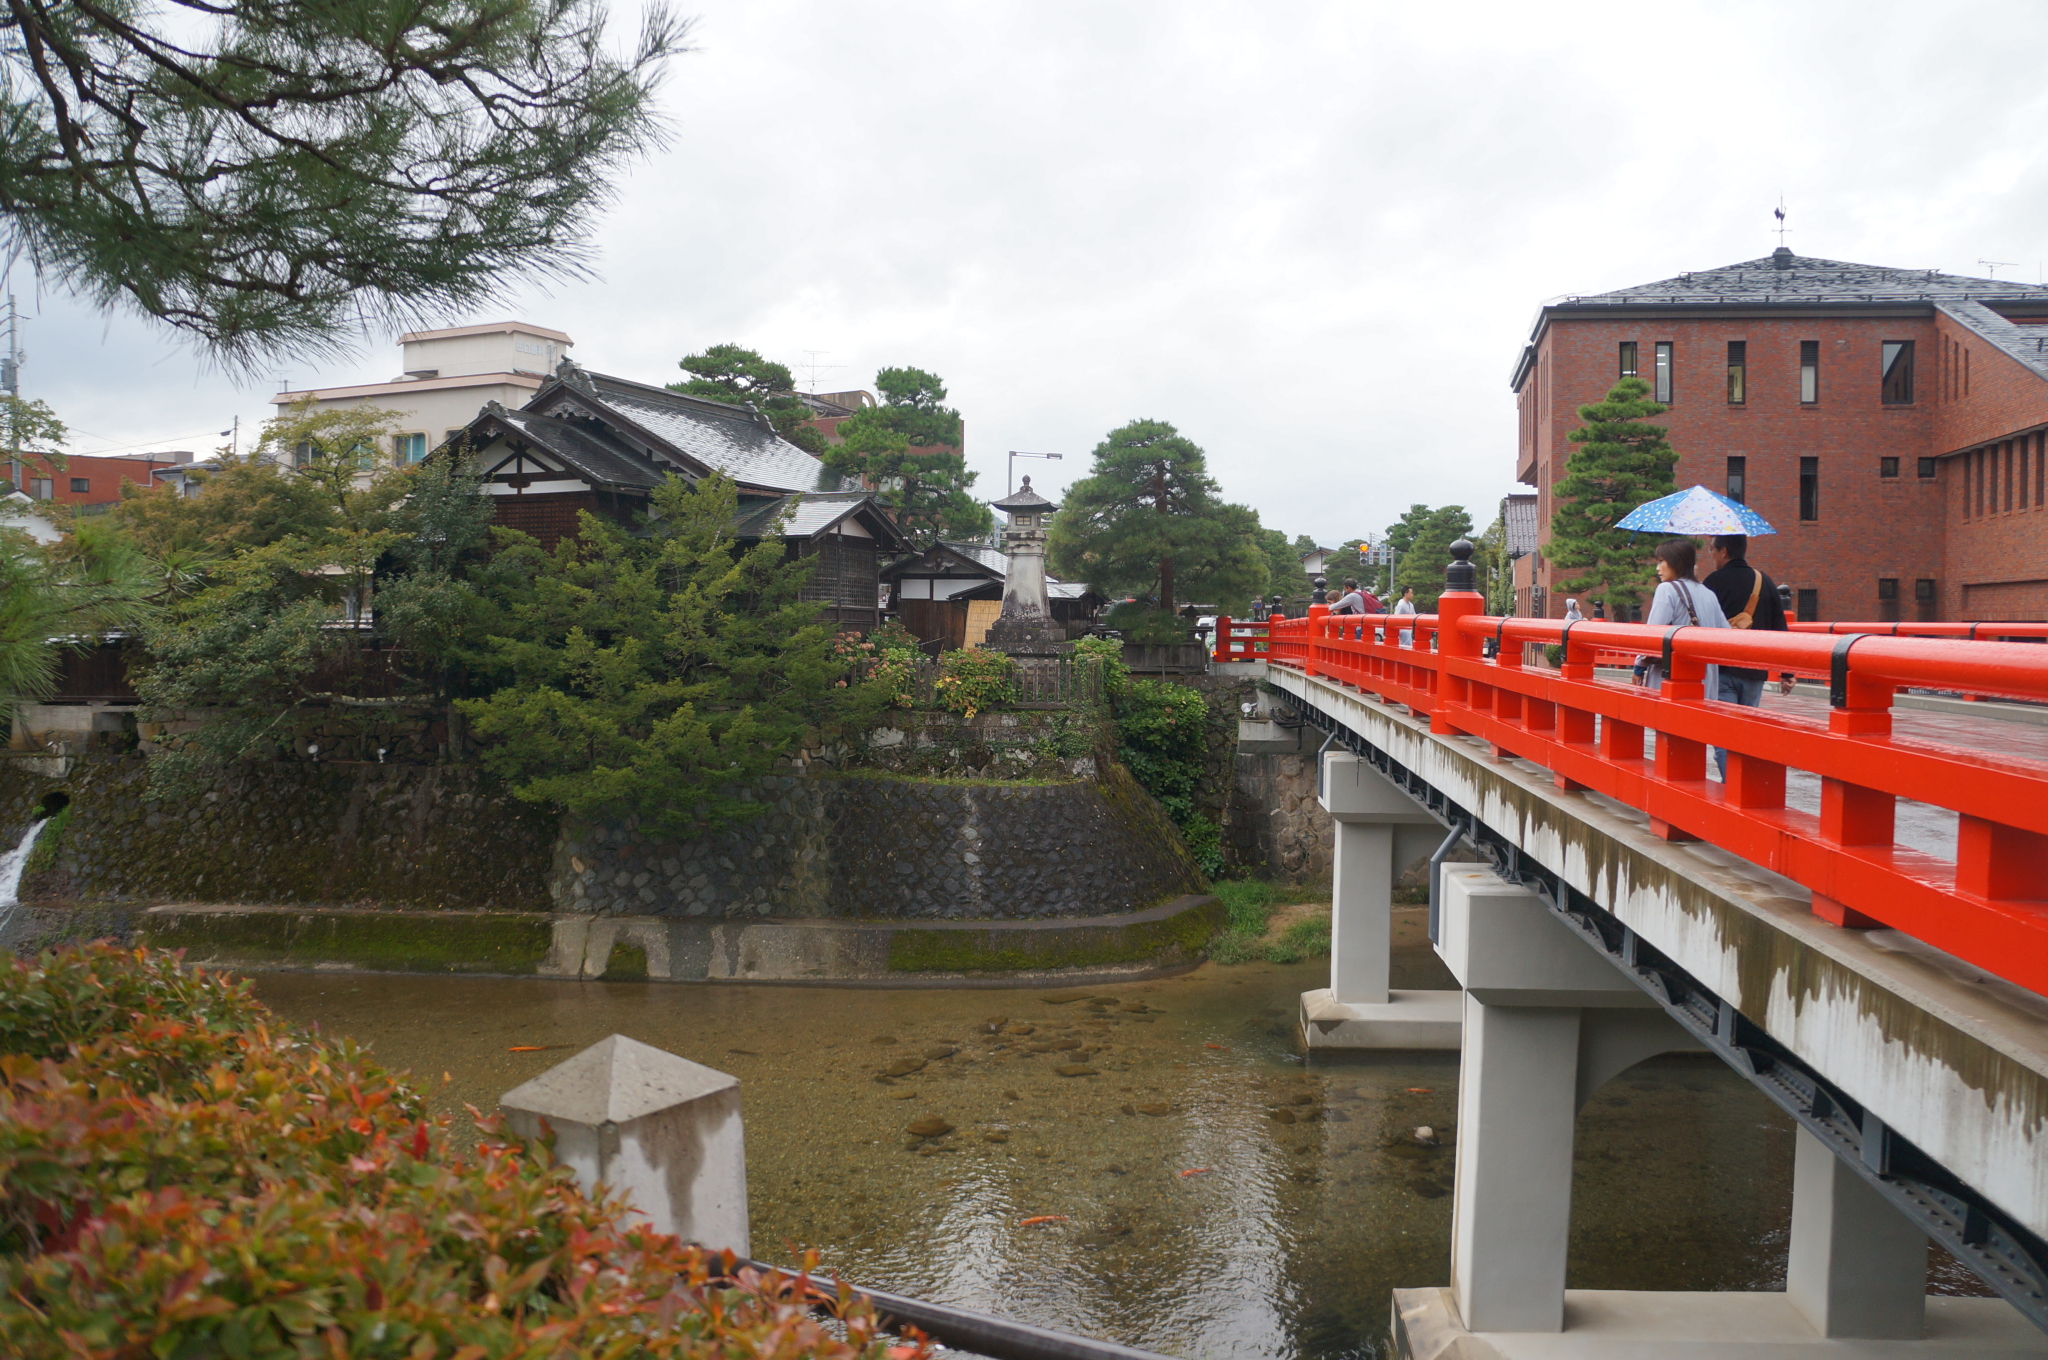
(1750, 599)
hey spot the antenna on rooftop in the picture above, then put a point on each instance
(1779, 213)
(812, 366)
(1995, 265)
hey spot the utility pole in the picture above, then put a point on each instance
(10, 378)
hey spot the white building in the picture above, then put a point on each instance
(450, 375)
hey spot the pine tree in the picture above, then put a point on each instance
(1148, 518)
(1619, 463)
(736, 374)
(910, 449)
(274, 178)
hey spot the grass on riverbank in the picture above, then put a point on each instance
(1272, 923)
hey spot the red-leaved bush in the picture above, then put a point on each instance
(181, 1175)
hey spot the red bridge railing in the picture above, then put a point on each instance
(1989, 906)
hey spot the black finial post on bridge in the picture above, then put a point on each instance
(1322, 592)
(1461, 574)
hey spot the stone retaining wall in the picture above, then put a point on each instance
(876, 847)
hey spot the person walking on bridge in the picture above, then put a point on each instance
(1682, 601)
(1750, 600)
(1406, 605)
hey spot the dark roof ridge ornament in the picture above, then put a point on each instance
(570, 374)
(1782, 258)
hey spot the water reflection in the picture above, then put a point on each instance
(1202, 1191)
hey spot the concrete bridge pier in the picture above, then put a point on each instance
(1547, 1023)
(1379, 829)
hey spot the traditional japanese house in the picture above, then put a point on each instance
(587, 441)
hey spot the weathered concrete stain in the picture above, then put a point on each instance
(1949, 1062)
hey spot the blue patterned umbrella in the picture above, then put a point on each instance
(1695, 510)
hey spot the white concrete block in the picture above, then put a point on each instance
(1857, 1267)
(1408, 1019)
(1616, 1324)
(1354, 791)
(660, 1130)
(1504, 947)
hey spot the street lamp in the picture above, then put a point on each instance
(1014, 456)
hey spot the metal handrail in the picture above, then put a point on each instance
(996, 1337)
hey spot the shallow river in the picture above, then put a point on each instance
(1211, 1193)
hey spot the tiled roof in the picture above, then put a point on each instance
(1520, 513)
(1812, 281)
(810, 513)
(995, 559)
(593, 453)
(2028, 344)
(711, 434)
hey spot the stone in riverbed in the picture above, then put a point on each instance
(1076, 1070)
(1282, 1116)
(903, 1067)
(996, 1136)
(1066, 1043)
(1040, 1048)
(937, 1051)
(931, 1126)
(883, 1039)
(1155, 1109)
(1020, 1029)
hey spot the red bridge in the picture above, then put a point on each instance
(1856, 920)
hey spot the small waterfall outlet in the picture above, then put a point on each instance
(11, 866)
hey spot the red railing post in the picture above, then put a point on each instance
(1460, 601)
(1220, 651)
(2000, 863)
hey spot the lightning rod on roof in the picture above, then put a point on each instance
(1995, 265)
(1779, 213)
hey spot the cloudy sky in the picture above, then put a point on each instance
(1313, 236)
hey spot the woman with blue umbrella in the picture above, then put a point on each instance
(1743, 596)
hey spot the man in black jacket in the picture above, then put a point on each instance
(1743, 590)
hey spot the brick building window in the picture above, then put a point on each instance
(1738, 480)
(1809, 488)
(1738, 371)
(81, 486)
(1887, 467)
(39, 488)
(1898, 373)
(1808, 608)
(1923, 601)
(1809, 371)
(1887, 599)
(1663, 374)
(1927, 467)
(2040, 473)
(1628, 359)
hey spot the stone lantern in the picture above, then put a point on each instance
(1026, 627)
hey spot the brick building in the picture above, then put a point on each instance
(1888, 422)
(87, 479)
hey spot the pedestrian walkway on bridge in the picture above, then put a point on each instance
(1857, 920)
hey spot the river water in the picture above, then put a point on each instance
(1208, 1191)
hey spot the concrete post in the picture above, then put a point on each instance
(1857, 1266)
(1361, 912)
(1376, 825)
(659, 1130)
(1517, 1099)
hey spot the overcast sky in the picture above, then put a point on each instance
(1311, 236)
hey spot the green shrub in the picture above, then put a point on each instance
(1108, 654)
(182, 1175)
(973, 679)
(1147, 623)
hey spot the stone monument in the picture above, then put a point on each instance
(1026, 627)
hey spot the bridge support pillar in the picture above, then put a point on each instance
(1857, 1267)
(1379, 829)
(1547, 1022)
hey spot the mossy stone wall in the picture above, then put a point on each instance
(288, 832)
(871, 846)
